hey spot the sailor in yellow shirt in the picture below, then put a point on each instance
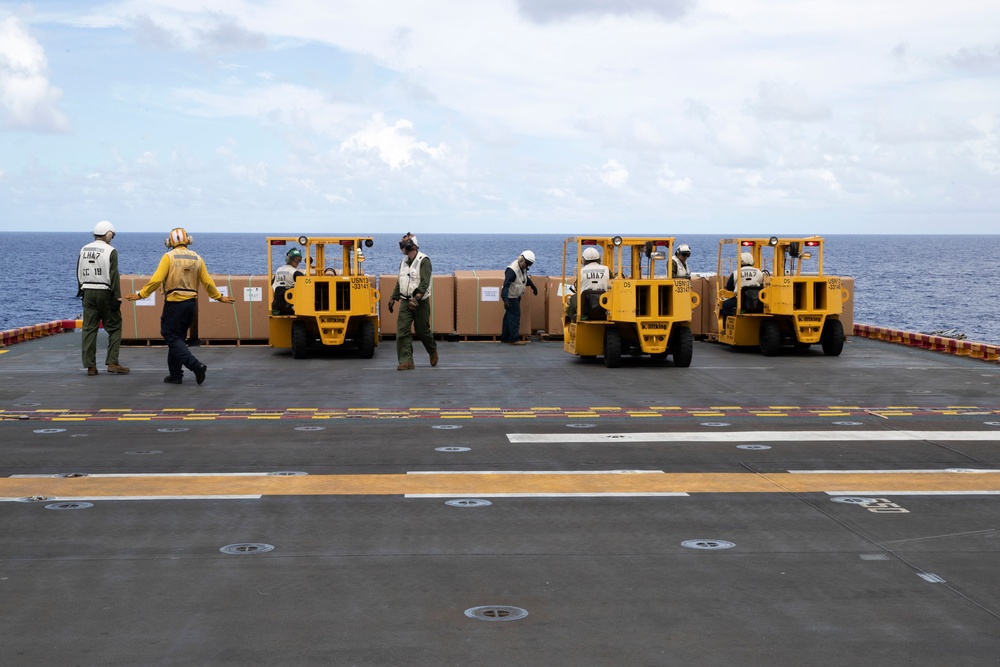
(180, 272)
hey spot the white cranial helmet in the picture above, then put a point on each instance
(591, 255)
(529, 256)
(746, 259)
(103, 227)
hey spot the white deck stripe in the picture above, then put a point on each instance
(757, 436)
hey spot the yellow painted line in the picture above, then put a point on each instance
(425, 409)
(665, 407)
(53, 410)
(114, 410)
(4, 351)
(784, 407)
(833, 414)
(134, 419)
(769, 414)
(303, 409)
(644, 414)
(178, 409)
(264, 417)
(708, 414)
(472, 484)
(724, 407)
(496, 409)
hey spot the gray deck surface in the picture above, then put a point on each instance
(365, 575)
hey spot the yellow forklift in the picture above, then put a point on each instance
(333, 303)
(643, 310)
(780, 297)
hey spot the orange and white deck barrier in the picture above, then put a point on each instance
(961, 348)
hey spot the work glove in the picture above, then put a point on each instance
(506, 304)
(534, 290)
(392, 304)
(413, 303)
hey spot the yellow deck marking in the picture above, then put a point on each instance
(471, 484)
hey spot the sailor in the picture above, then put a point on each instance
(515, 280)
(99, 284)
(284, 280)
(749, 277)
(679, 260)
(180, 272)
(414, 288)
(594, 278)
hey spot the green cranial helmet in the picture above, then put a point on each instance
(293, 253)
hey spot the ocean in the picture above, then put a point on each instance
(918, 283)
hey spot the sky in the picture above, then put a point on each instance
(501, 116)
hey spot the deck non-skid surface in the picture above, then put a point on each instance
(798, 510)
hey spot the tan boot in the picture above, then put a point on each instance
(408, 366)
(434, 358)
(116, 369)
(91, 371)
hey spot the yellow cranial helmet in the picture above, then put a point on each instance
(178, 237)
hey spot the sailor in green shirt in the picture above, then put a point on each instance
(414, 289)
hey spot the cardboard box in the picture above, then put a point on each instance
(847, 317)
(535, 305)
(442, 304)
(707, 312)
(140, 319)
(554, 290)
(478, 307)
(247, 319)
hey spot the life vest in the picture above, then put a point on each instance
(93, 271)
(594, 277)
(751, 276)
(184, 274)
(516, 287)
(285, 276)
(680, 269)
(409, 277)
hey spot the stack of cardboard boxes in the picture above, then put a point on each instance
(466, 304)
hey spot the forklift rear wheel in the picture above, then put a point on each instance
(682, 347)
(300, 340)
(770, 338)
(612, 347)
(366, 344)
(832, 338)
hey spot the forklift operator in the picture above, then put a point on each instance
(284, 279)
(750, 276)
(594, 278)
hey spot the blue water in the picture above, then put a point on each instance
(916, 283)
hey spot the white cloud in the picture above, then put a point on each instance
(614, 174)
(778, 100)
(544, 11)
(27, 100)
(668, 180)
(394, 144)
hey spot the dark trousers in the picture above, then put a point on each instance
(100, 306)
(174, 323)
(420, 321)
(510, 332)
